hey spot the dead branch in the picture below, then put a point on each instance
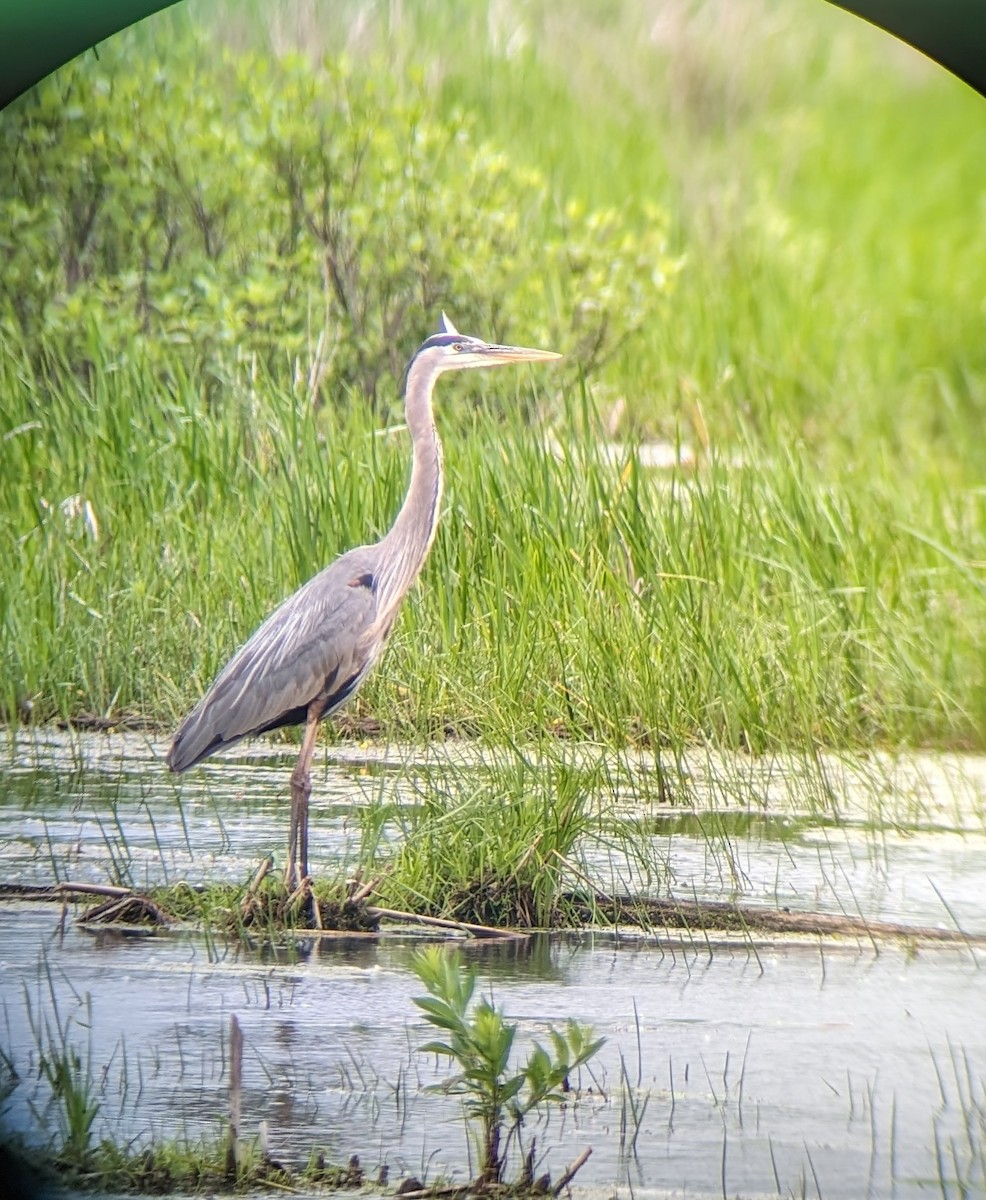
(728, 916)
(480, 931)
(571, 1171)
(255, 882)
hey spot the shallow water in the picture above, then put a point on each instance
(906, 843)
(743, 1068)
(775, 1065)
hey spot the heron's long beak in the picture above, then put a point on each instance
(486, 354)
(514, 354)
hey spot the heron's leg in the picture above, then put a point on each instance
(301, 788)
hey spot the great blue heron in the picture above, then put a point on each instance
(314, 651)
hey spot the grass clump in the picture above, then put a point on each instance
(174, 1166)
(168, 1167)
(499, 846)
(69, 1075)
(265, 907)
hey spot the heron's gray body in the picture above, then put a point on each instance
(315, 649)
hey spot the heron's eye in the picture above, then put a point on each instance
(458, 347)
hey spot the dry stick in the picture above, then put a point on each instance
(449, 1189)
(582, 875)
(255, 883)
(119, 898)
(488, 931)
(303, 889)
(515, 873)
(341, 934)
(366, 890)
(571, 1172)
(94, 889)
(527, 855)
(115, 907)
(62, 891)
(105, 911)
(235, 1091)
(725, 915)
(781, 921)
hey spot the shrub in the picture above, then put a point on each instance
(212, 207)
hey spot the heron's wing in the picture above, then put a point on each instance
(313, 647)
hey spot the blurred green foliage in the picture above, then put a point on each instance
(215, 208)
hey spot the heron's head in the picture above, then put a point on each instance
(449, 350)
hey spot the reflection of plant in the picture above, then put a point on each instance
(480, 1042)
(221, 206)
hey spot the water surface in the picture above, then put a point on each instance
(731, 1066)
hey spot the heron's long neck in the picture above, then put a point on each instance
(410, 537)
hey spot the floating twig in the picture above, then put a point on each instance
(728, 916)
(432, 1193)
(480, 931)
(94, 889)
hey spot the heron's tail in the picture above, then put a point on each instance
(195, 740)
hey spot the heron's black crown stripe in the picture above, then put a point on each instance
(441, 339)
(436, 339)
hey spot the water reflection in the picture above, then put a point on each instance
(868, 1070)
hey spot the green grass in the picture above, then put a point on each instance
(817, 578)
(746, 606)
(499, 846)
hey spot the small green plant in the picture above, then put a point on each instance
(69, 1075)
(479, 1040)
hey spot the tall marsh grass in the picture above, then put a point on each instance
(812, 572)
